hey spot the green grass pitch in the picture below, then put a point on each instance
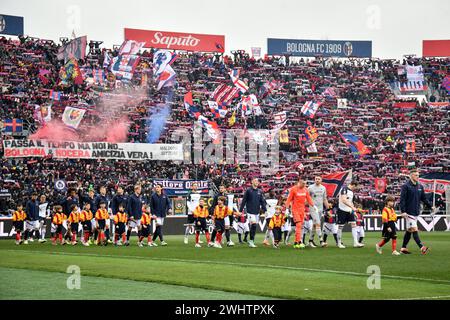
(179, 271)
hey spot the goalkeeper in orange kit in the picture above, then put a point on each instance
(298, 196)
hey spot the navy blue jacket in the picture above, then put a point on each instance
(215, 200)
(32, 210)
(86, 199)
(68, 203)
(134, 206)
(410, 197)
(116, 201)
(254, 201)
(159, 205)
(97, 201)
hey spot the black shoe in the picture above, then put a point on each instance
(405, 251)
(313, 243)
(127, 244)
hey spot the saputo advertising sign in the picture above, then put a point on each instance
(177, 40)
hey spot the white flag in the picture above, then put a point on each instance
(312, 148)
(131, 47)
(73, 116)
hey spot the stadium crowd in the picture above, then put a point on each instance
(373, 113)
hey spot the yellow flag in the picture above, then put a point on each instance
(284, 136)
(232, 119)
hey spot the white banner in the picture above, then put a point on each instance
(92, 150)
(414, 73)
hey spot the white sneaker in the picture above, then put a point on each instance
(119, 243)
(140, 244)
(163, 243)
(312, 245)
(150, 244)
(341, 246)
(210, 244)
(197, 245)
(25, 242)
(230, 243)
(358, 245)
(42, 240)
(217, 245)
(186, 240)
(251, 244)
(86, 244)
(379, 250)
(154, 244)
(31, 240)
(17, 242)
(200, 241)
(396, 253)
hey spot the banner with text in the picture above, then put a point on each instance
(181, 187)
(177, 40)
(91, 150)
(325, 48)
(12, 25)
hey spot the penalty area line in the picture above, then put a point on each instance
(240, 264)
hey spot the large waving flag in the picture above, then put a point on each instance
(161, 59)
(166, 78)
(224, 94)
(13, 125)
(131, 47)
(311, 133)
(212, 128)
(333, 182)
(280, 117)
(218, 111)
(124, 65)
(76, 48)
(73, 116)
(355, 144)
(435, 184)
(71, 72)
(43, 113)
(189, 105)
(241, 85)
(163, 73)
(250, 105)
(309, 109)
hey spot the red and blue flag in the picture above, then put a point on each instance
(13, 125)
(357, 147)
(333, 182)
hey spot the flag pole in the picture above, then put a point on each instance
(434, 201)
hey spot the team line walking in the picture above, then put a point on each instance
(303, 211)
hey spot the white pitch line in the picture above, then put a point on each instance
(423, 298)
(235, 264)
